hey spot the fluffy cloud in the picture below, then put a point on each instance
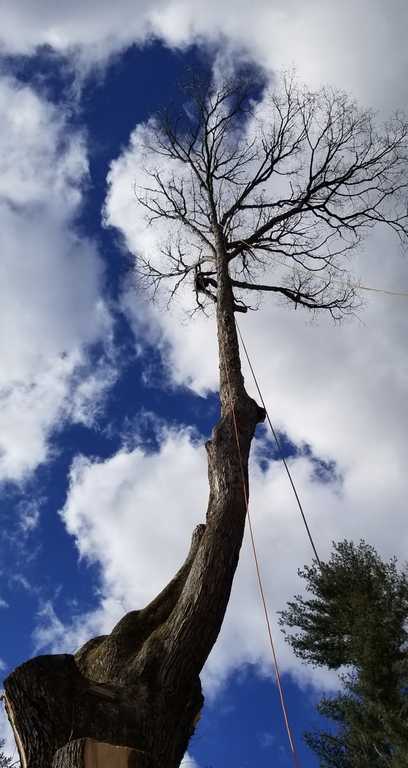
(50, 284)
(138, 502)
(117, 513)
(361, 46)
(188, 762)
(122, 212)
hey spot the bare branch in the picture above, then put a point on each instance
(295, 174)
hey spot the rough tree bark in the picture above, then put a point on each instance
(140, 685)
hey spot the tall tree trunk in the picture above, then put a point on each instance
(140, 685)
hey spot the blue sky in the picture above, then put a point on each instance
(107, 398)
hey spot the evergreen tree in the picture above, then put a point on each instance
(356, 617)
(5, 762)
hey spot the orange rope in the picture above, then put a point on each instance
(262, 594)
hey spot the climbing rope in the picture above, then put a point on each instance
(358, 286)
(381, 290)
(261, 590)
(279, 446)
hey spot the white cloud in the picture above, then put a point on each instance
(39, 164)
(188, 762)
(29, 512)
(360, 46)
(266, 739)
(133, 483)
(48, 628)
(50, 283)
(149, 320)
(121, 520)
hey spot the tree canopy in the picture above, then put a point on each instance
(293, 179)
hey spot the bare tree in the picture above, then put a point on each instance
(5, 761)
(296, 184)
(288, 188)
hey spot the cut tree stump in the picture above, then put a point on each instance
(88, 753)
(52, 708)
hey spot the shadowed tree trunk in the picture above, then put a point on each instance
(140, 685)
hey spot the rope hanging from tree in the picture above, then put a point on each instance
(262, 594)
(280, 449)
